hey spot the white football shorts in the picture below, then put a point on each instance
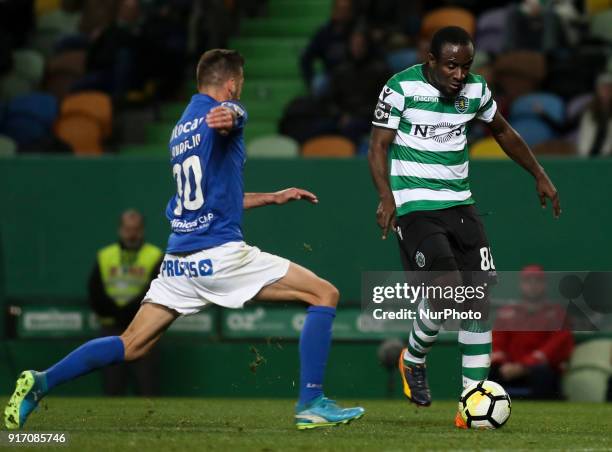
(228, 275)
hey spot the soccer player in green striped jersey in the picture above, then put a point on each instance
(419, 163)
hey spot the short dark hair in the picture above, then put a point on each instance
(131, 213)
(218, 65)
(449, 35)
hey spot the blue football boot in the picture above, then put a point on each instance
(324, 412)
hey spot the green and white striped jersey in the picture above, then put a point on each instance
(428, 159)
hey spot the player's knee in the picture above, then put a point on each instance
(132, 346)
(327, 295)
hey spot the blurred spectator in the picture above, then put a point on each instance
(163, 45)
(113, 57)
(535, 25)
(392, 23)
(531, 341)
(353, 85)
(98, 15)
(118, 283)
(210, 25)
(57, 30)
(595, 133)
(329, 45)
(572, 20)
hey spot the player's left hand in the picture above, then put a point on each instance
(221, 118)
(292, 194)
(546, 189)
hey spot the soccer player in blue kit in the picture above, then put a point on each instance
(207, 261)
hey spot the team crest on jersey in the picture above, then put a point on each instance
(420, 259)
(461, 104)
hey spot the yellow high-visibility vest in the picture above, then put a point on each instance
(126, 273)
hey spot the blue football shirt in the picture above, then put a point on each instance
(206, 210)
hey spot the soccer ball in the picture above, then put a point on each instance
(485, 404)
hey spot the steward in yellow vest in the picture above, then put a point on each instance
(123, 273)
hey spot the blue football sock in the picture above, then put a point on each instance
(315, 342)
(90, 356)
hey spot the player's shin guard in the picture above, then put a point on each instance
(90, 356)
(315, 342)
(423, 335)
(475, 344)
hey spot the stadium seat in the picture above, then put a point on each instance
(534, 131)
(29, 65)
(490, 30)
(82, 132)
(43, 106)
(328, 146)
(11, 85)
(86, 119)
(8, 147)
(586, 379)
(51, 26)
(93, 104)
(273, 146)
(398, 60)
(442, 17)
(256, 129)
(555, 147)
(600, 25)
(30, 117)
(526, 106)
(487, 148)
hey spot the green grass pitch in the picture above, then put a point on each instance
(98, 424)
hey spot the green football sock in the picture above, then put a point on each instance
(423, 335)
(475, 345)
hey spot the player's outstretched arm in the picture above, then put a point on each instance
(380, 140)
(252, 200)
(516, 148)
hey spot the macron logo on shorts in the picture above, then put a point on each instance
(193, 269)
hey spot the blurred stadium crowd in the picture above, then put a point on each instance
(99, 76)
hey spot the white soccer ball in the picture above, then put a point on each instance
(485, 404)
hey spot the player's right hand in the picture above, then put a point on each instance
(546, 189)
(385, 215)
